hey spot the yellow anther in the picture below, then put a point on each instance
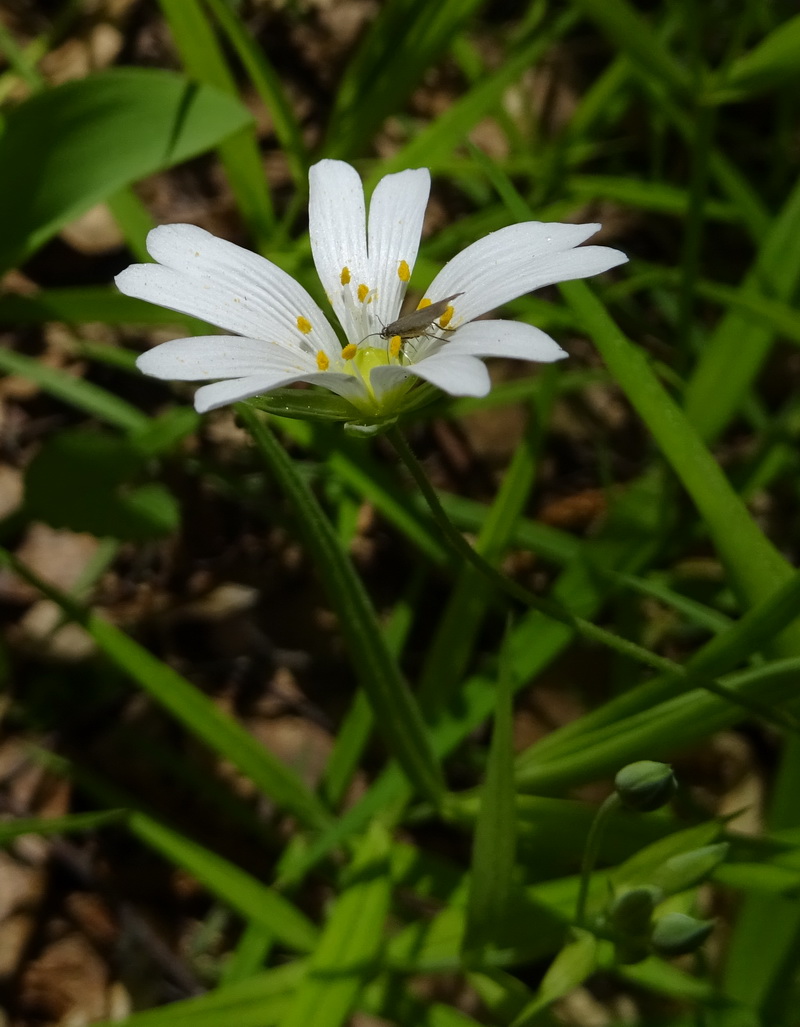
(444, 320)
(423, 303)
(404, 271)
(344, 277)
(363, 292)
(349, 351)
(322, 361)
(395, 345)
(304, 324)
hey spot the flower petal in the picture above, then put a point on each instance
(516, 260)
(227, 286)
(220, 394)
(453, 373)
(222, 356)
(337, 226)
(396, 213)
(504, 339)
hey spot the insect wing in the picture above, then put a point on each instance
(414, 324)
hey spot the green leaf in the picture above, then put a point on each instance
(242, 892)
(93, 303)
(83, 395)
(189, 706)
(89, 138)
(260, 1000)
(205, 62)
(574, 963)
(494, 842)
(736, 351)
(438, 139)
(630, 33)
(402, 42)
(46, 826)
(347, 954)
(396, 713)
(769, 65)
(270, 88)
(755, 566)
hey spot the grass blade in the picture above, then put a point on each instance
(348, 951)
(494, 843)
(393, 705)
(189, 706)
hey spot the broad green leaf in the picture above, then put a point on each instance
(89, 138)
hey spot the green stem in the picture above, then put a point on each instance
(590, 854)
(397, 714)
(556, 612)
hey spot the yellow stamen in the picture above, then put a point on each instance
(404, 271)
(322, 361)
(444, 320)
(349, 351)
(423, 303)
(304, 325)
(344, 277)
(395, 345)
(363, 292)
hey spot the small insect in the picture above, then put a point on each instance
(418, 322)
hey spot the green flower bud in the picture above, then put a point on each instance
(645, 786)
(675, 934)
(630, 912)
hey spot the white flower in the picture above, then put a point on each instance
(280, 335)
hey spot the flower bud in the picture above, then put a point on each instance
(631, 911)
(645, 786)
(675, 934)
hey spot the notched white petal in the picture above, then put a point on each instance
(396, 214)
(220, 394)
(453, 373)
(221, 356)
(337, 223)
(224, 285)
(498, 338)
(519, 259)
